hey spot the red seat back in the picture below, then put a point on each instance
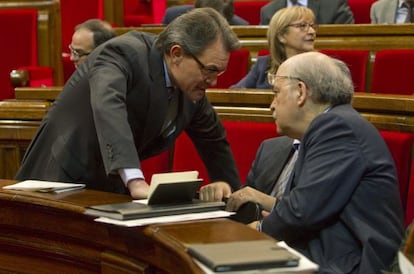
(138, 12)
(357, 62)
(249, 10)
(392, 72)
(237, 68)
(244, 139)
(18, 28)
(156, 164)
(361, 10)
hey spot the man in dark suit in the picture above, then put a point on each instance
(326, 11)
(341, 207)
(129, 101)
(225, 7)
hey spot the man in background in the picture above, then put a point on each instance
(326, 11)
(87, 36)
(225, 7)
(392, 12)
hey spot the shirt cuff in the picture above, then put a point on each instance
(128, 174)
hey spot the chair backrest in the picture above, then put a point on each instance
(392, 72)
(249, 10)
(237, 68)
(400, 145)
(361, 10)
(19, 46)
(156, 164)
(138, 12)
(244, 139)
(357, 62)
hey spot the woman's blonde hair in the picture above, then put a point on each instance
(278, 26)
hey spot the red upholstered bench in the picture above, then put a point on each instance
(244, 139)
(156, 164)
(237, 68)
(249, 10)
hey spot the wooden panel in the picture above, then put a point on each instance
(31, 241)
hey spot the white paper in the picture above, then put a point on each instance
(167, 219)
(304, 265)
(406, 266)
(44, 186)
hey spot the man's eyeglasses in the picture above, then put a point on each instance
(77, 53)
(304, 26)
(271, 78)
(208, 71)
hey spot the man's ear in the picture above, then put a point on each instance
(176, 53)
(302, 93)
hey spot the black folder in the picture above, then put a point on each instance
(246, 255)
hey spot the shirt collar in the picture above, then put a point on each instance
(167, 77)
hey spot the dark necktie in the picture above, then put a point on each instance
(409, 6)
(169, 124)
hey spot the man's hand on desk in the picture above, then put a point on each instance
(215, 191)
(138, 188)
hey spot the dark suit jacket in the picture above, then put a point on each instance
(270, 160)
(342, 208)
(326, 11)
(257, 76)
(384, 11)
(173, 12)
(109, 116)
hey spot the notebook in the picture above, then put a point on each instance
(134, 210)
(239, 256)
(173, 187)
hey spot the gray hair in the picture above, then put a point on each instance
(102, 30)
(196, 30)
(328, 79)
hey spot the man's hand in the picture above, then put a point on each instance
(138, 188)
(215, 191)
(249, 194)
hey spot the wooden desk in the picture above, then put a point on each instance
(49, 232)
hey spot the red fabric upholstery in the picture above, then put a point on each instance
(18, 29)
(249, 10)
(155, 164)
(392, 72)
(237, 68)
(361, 10)
(138, 12)
(244, 139)
(356, 61)
(409, 209)
(400, 145)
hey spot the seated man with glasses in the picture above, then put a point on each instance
(87, 36)
(326, 11)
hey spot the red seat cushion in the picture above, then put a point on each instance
(392, 72)
(249, 10)
(361, 10)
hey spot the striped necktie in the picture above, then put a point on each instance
(284, 176)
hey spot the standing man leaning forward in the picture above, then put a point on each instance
(115, 111)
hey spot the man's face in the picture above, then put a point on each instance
(284, 104)
(194, 74)
(81, 46)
